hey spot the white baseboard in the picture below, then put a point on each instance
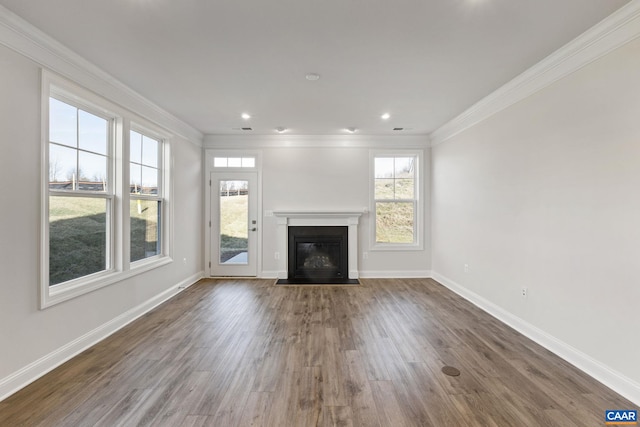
(614, 380)
(269, 274)
(45, 364)
(395, 274)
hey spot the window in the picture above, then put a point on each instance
(396, 202)
(234, 162)
(80, 193)
(146, 196)
(105, 213)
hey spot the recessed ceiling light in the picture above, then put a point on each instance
(351, 130)
(385, 116)
(312, 77)
(246, 116)
(281, 129)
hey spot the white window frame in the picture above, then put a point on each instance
(165, 230)
(419, 214)
(118, 250)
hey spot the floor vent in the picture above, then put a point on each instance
(451, 371)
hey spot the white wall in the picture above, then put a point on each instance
(545, 195)
(329, 172)
(28, 334)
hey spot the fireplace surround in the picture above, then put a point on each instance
(348, 219)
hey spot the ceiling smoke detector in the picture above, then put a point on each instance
(281, 129)
(312, 77)
(351, 130)
(398, 128)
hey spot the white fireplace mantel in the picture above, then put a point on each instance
(318, 218)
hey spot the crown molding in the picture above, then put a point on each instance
(311, 141)
(611, 33)
(24, 38)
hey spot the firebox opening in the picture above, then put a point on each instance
(318, 254)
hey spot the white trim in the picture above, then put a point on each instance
(314, 141)
(607, 376)
(207, 161)
(418, 201)
(47, 363)
(268, 274)
(619, 28)
(119, 265)
(86, 284)
(348, 218)
(19, 35)
(395, 274)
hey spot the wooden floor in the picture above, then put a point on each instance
(247, 353)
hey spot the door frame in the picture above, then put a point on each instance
(209, 155)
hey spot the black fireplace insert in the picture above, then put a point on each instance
(318, 254)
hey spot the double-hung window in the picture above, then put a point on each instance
(105, 213)
(80, 191)
(397, 205)
(146, 207)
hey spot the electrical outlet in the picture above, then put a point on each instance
(184, 261)
(524, 292)
(365, 255)
(276, 255)
(466, 268)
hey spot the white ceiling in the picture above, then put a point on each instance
(207, 61)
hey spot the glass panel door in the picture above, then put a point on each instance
(234, 224)
(234, 221)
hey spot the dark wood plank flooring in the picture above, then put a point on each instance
(248, 353)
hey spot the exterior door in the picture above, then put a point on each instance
(234, 224)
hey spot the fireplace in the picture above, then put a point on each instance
(318, 254)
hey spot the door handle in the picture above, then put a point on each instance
(254, 229)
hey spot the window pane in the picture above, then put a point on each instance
(149, 152)
(145, 223)
(235, 162)
(384, 167)
(135, 178)
(404, 189)
(149, 180)
(93, 132)
(135, 147)
(77, 237)
(220, 162)
(394, 222)
(248, 162)
(63, 122)
(384, 188)
(404, 167)
(62, 167)
(92, 172)
(234, 222)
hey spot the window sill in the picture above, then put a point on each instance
(395, 247)
(75, 288)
